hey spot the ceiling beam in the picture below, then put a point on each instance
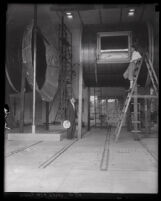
(81, 21)
(100, 16)
(72, 7)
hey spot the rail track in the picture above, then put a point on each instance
(148, 150)
(22, 149)
(106, 152)
(51, 159)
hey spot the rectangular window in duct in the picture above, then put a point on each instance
(113, 47)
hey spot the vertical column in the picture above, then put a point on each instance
(107, 111)
(88, 128)
(34, 76)
(95, 107)
(135, 110)
(80, 90)
(22, 99)
(101, 117)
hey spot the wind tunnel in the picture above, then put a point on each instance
(106, 53)
(47, 66)
(20, 51)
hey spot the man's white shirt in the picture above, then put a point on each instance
(135, 56)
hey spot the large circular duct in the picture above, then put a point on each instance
(110, 74)
(47, 63)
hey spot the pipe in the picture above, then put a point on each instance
(34, 77)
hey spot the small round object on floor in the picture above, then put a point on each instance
(66, 124)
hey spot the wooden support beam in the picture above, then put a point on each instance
(144, 96)
(80, 90)
(22, 99)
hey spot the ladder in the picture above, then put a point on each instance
(126, 105)
(65, 79)
(152, 73)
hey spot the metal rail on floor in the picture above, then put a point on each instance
(22, 149)
(106, 152)
(147, 149)
(56, 155)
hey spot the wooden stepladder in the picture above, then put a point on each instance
(155, 83)
(152, 73)
(126, 105)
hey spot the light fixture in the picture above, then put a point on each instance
(69, 16)
(68, 13)
(131, 10)
(130, 13)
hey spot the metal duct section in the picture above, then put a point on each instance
(109, 74)
(47, 68)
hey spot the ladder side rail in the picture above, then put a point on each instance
(152, 68)
(151, 77)
(150, 71)
(122, 119)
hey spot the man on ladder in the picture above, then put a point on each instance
(132, 74)
(130, 71)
